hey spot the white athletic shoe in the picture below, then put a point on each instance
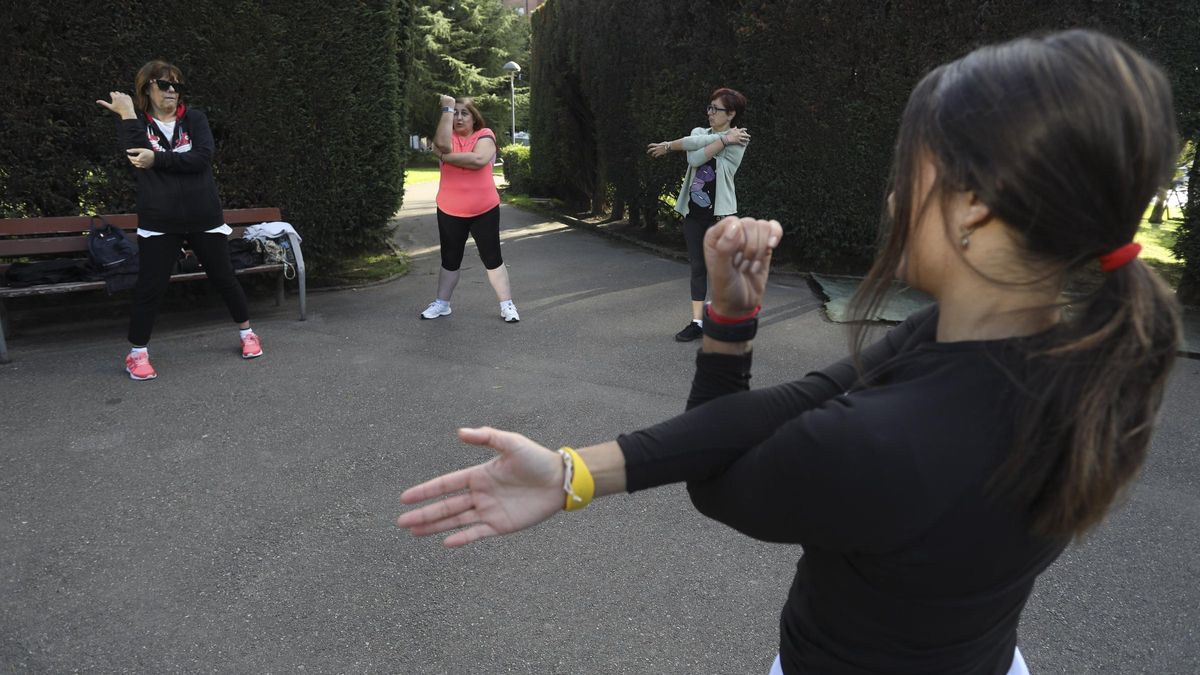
(435, 309)
(509, 313)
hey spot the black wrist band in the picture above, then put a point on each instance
(742, 331)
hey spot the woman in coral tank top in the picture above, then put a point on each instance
(467, 204)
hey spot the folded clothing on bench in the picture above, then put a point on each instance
(24, 274)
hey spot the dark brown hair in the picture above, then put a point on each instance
(1066, 138)
(156, 69)
(476, 116)
(733, 101)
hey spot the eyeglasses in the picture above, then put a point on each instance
(165, 85)
(712, 109)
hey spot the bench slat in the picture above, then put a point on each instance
(60, 224)
(54, 289)
(11, 248)
(125, 221)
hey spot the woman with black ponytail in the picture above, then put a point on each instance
(933, 475)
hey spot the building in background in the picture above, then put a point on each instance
(522, 7)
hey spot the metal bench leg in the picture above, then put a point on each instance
(3, 334)
(279, 290)
(300, 275)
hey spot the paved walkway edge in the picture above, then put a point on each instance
(1191, 320)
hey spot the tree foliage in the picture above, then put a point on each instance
(458, 48)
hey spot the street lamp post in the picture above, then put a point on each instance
(512, 69)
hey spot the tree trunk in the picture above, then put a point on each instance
(1160, 205)
(651, 217)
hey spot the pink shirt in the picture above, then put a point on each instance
(467, 192)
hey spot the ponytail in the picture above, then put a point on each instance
(1092, 397)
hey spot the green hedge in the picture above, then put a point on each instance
(309, 121)
(826, 82)
(516, 168)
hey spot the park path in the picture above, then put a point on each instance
(237, 516)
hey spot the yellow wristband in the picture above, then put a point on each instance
(577, 481)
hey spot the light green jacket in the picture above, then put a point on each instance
(728, 161)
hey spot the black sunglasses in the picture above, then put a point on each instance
(164, 85)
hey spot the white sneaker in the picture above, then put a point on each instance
(435, 309)
(509, 313)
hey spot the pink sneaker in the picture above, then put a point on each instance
(251, 347)
(137, 364)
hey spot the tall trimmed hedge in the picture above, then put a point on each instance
(826, 82)
(305, 103)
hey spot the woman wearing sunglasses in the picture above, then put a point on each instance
(931, 480)
(467, 204)
(713, 155)
(171, 149)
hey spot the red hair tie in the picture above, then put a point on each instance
(1120, 256)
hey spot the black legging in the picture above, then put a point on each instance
(693, 233)
(483, 228)
(156, 259)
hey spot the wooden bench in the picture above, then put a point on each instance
(65, 237)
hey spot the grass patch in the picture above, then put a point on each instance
(363, 269)
(426, 174)
(1157, 242)
(537, 203)
(420, 174)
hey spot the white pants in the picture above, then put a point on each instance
(1018, 666)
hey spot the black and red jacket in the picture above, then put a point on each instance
(178, 194)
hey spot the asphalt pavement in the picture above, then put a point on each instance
(237, 516)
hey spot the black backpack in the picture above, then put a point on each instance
(243, 254)
(109, 249)
(113, 257)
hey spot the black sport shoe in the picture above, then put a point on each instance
(690, 332)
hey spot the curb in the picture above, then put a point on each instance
(659, 249)
(355, 287)
(667, 252)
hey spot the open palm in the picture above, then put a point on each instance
(519, 488)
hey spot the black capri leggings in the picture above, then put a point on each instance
(483, 228)
(156, 259)
(693, 234)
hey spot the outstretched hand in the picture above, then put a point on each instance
(121, 104)
(658, 149)
(737, 252)
(519, 488)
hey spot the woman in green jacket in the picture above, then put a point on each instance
(707, 194)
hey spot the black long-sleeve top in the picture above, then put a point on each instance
(178, 194)
(911, 563)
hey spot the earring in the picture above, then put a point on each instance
(966, 241)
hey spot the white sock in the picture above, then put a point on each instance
(443, 303)
(245, 331)
(698, 322)
(139, 350)
(506, 304)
